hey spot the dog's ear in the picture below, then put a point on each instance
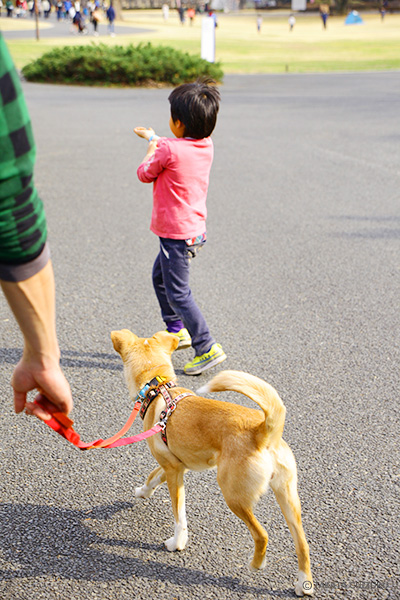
(120, 339)
(169, 341)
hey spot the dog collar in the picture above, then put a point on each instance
(141, 395)
(150, 391)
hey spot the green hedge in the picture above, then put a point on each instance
(119, 65)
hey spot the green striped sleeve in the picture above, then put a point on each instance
(23, 229)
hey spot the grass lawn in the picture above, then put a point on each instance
(375, 45)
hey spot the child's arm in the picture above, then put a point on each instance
(151, 148)
(148, 134)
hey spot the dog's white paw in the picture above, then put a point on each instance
(178, 542)
(170, 544)
(143, 492)
(254, 569)
(304, 585)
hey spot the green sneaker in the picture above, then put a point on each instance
(185, 341)
(207, 360)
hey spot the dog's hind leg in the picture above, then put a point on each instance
(258, 533)
(284, 486)
(241, 493)
(177, 494)
(156, 478)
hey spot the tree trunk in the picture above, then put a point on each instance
(341, 7)
(118, 10)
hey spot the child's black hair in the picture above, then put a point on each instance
(196, 106)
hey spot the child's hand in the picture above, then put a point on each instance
(145, 132)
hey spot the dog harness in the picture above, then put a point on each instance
(63, 425)
(149, 395)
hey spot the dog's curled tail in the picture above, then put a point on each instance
(258, 390)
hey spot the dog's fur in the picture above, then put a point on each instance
(245, 445)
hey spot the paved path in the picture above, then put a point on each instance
(60, 29)
(300, 283)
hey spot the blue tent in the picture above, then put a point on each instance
(353, 18)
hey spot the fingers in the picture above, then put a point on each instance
(37, 411)
(19, 401)
(140, 131)
(56, 389)
(144, 132)
(49, 381)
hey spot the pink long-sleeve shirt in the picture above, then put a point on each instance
(179, 170)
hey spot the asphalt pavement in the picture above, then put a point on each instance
(299, 282)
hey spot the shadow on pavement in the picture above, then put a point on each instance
(71, 358)
(46, 540)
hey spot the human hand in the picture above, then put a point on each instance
(48, 380)
(145, 132)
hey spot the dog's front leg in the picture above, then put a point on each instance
(156, 478)
(177, 494)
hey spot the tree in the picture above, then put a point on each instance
(118, 10)
(342, 6)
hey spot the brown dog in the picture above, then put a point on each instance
(245, 445)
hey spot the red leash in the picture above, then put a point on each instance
(63, 425)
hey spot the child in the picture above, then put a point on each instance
(179, 169)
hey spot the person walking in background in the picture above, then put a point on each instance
(79, 21)
(324, 12)
(59, 8)
(26, 272)
(259, 23)
(96, 18)
(46, 8)
(71, 13)
(179, 169)
(67, 8)
(165, 11)
(10, 8)
(111, 18)
(181, 12)
(191, 13)
(292, 22)
(383, 9)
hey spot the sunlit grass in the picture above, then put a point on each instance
(375, 45)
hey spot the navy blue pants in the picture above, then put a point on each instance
(171, 285)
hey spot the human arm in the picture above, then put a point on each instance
(157, 157)
(33, 304)
(26, 274)
(151, 149)
(148, 134)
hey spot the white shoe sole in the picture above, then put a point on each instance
(205, 367)
(184, 344)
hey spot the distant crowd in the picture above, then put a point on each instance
(93, 11)
(65, 10)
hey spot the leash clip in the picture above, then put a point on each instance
(164, 416)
